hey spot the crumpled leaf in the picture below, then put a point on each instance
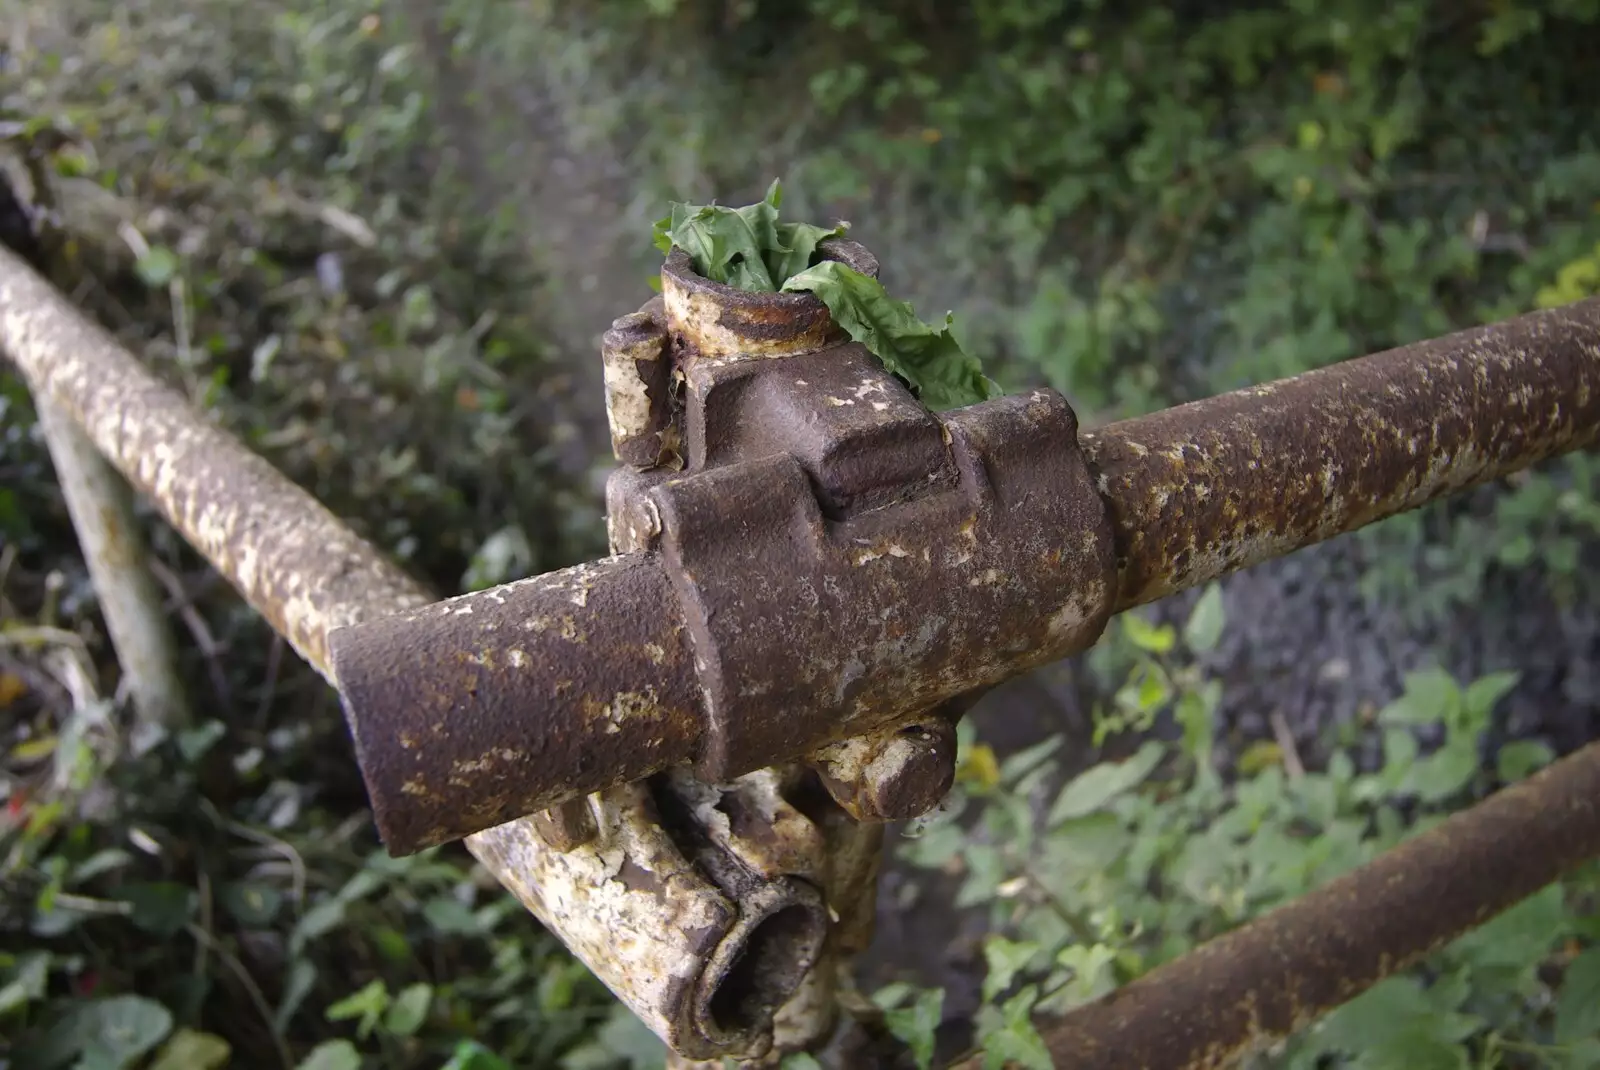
(928, 358)
(746, 248)
(749, 249)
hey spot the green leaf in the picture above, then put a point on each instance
(1152, 638)
(1414, 1049)
(332, 1055)
(1005, 959)
(1097, 786)
(1394, 1017)
(1008, 1037)
(1578, 1006)
(27, 981)
(191, 1050)
(928, 358)
(747, 248)
(470, 1055)
(161, 908)
(1519, 938)
(157, 266)
(120, 1028)
(1092, 975)
(302, 976)
(726, 245)
(1584, 1055)
(251, 903)
(1430, 696)
(104, 861)
(1445, 772)
(1522, 758)
(451, 917)
(194, 742)
(316, 922)
(1482, 694)
(1203, 629)
(409, 1009)
(800, 1061)
(916, 1026)
(366, 1005)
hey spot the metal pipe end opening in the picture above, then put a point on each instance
(759, 965)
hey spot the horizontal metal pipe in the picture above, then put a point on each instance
(1217, 485)
(294, 562)
(1266, 980)
(483, 708)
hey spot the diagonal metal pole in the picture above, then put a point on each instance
(1276, 975)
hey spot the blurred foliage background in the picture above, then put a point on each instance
(379, 241)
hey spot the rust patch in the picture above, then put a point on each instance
(526, 695)
(1221, 484)
(729, 325)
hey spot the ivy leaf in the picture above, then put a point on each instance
(1578, 1010)
(1008, 1036)
(332, 1055)
(471, 1055)
(160, 908)
(1097, 786)
(1415, 1049)
(1204, 627)
(927, 357)
(1482, 694)
(1005, 959)
(1519, 938)
(1431, 696)
(27, 982)
(1522, 758)
(1444, 772)
(113, 1031)
(409, 1009)
(915, 1026)
(366, 1005)
(191, 1050)
(1149, 637)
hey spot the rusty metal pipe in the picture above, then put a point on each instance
(1277, 974)
(619, 904)
(294, 562)
(1217, 485)
(439, 698)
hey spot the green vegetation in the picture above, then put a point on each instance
(314, 218)
(748, 249)
(1133, 862)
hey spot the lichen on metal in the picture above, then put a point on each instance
(293, 561)
(702, 907)
(1221, 484)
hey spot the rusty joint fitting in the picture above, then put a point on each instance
(809, 562)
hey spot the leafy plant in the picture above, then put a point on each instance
(749, 249)
(1093, 879)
